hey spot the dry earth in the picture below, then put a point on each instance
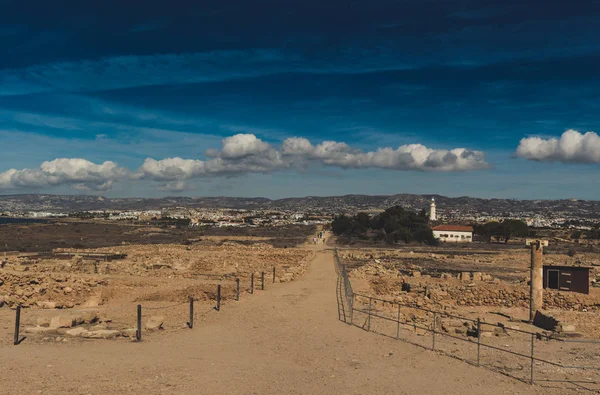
(287, 339)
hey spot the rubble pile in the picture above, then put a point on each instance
(50, 290)
(174, 260)
(464, 289)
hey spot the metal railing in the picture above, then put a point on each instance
(385, 317)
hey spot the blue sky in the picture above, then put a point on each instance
(125, 98)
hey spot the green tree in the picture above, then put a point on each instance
(513, 228)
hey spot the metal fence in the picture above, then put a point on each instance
(254, 281)
(527, 356)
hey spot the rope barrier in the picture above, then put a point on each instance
(164, 307)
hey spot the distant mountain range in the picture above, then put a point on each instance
(330, 204)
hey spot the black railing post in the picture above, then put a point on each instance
(191, 323)
(17, 324)
(398, 327)
(252, 283)
(435, 321)
(138, 333)
(218, 297)
(478, 341)
(262, 281)
(370, 304)
(532, 358)
(237, 289)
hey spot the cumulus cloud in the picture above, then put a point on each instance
(245, 153)
(241, 154)
(405, 157)
(80, 173)
(571, 147)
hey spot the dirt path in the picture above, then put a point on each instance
(286, 340)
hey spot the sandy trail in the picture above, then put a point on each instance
(284, 340)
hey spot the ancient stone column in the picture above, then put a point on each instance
(536, 284)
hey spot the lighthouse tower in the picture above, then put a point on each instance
(432, 213)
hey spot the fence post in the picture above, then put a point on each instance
(435, 321)
(191, 323)
(351, 308)
(273, 274)
(262, 283)
(138, 333)
(532, 360)
(370, 304)
(96, 267)
(478, 341)
(218, 308)
(17, 324)
(252, 284)
(237, 289)
(398, 327)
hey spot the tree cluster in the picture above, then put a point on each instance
(393, 225)
(504, 230)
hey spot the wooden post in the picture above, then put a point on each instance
(191, 323)
(138, 333)
(17, 325)
(237, 289)
(252, 284)
(273, 274)
(262, 281)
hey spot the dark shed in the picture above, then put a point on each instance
(567, 278)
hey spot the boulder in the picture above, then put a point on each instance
(2, 301)
(43, 321)
(465, 276)
(565, 328)
(102, 334)
(46, 305)
(93, 301)
(77, 332)
(477, 276)
(38, 329)
(131, 332)
(61, 322)
(155, 322)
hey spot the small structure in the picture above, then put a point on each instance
(530, 242)
(453, 233)
(567, 278)
(432, 211)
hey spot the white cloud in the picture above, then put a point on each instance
(405, 157)
(245, 153)
(241, 154)
(80, 173)
(571, 147)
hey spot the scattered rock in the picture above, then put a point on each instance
(61, 322)
(155, 322)
(77, 332)
(46, 305)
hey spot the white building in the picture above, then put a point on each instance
(453, 233)
(432, 213)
